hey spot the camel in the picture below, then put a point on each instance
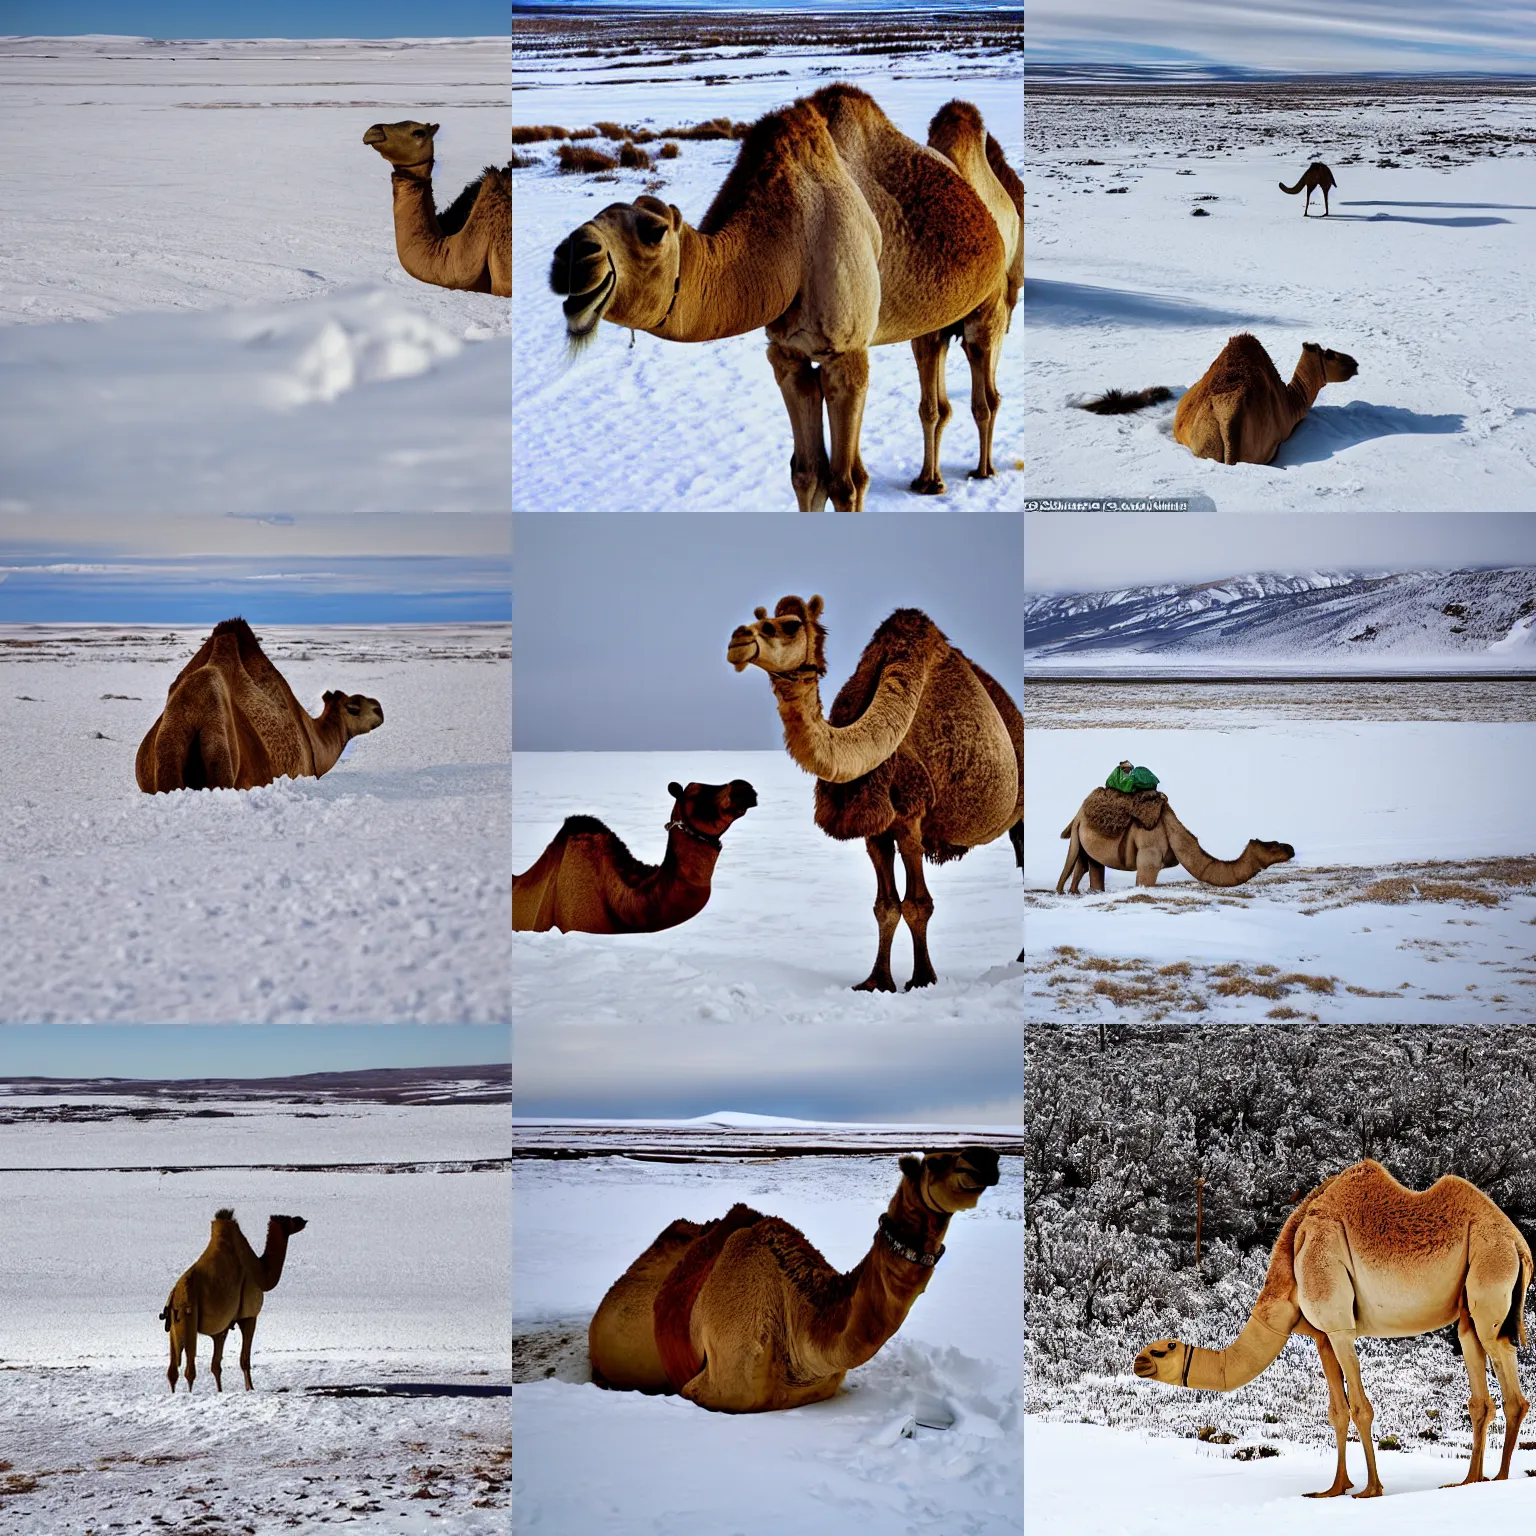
(587, 881)
(469, 244)
(231, 722)
(226, 1285)
(1116, 830)
(743, 1315)
(1362, 1257)
(1316, 175)
(835, 232)
(923, 754)
(1239, 411)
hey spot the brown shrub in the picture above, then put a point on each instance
(583, 133)
(1321, 984)
(668, 151)
(642, 135)
(538, 134)
(577, 160)
(1402, 888)
(715, 128)
(522, 162)
(1178, 968)
(634, 157)
(611, 130)
(1242, 986)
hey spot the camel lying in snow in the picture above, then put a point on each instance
(231, 722)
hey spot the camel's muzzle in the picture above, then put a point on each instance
(980, 1164)
(1144, 1367)
(743, 797)
(375, 135)
(742, 649)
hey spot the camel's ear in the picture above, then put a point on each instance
(1310, 346)
(912, 1167)
(432, 128)
(675, 790)
(676, 214)
(760, 613)
(813, 608)
(651, 227)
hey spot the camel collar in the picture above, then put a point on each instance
(677, 824)
(1189, 1354)
(913, 1255)
(677, 282)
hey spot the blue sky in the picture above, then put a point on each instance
(1295, 36)
(269, 18)
(622, 621)
(81, 586)
(1071, 552)
(256, 1050)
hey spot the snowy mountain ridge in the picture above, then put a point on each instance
(1345, 615)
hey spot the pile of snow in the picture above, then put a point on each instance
(618, 1463)
(1345, 618)
(377, 894)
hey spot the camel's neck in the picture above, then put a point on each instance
(728, 283)
(272, 1259)
(327, 737)
(689, 860)
(1305, 386)
(1254, 1350)
(417, 232)
(882, 1287)
(1186, 848)
(841, 753)
(671, 892)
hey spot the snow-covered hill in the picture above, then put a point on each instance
(1347, 618)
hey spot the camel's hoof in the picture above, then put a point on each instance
(934, 487)
(876, 983)
(920, 981)
(981, 474)
(1369, 1493)
(1330, 1493)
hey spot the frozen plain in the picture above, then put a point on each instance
(217, 317)
(376, 894)
(759, 983)
(401, 1276)
(1416, 274)
(621, 1464)
(1362, 802)
(664, 427)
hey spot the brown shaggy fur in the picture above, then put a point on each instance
(1111, 811)
(579, 160)
(674, 1300)
(451, 219)
(1116, 402)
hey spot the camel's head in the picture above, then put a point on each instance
(287, 1225)
(1162, 1360)
(1266, 854)
(357, 713)
(952, 1181)
(711, 808)
(791, 639)
(621, 266)
(405, 143)
(1337, 366)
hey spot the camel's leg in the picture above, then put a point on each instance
(175, 1334)
(1516, 1404)
(933, 407)
(1016, 837)
(916, 906)
(800, 385)
(845, 383)
(247, 1333)
(882, 853)
(1489, 1312)
(1479, 1404)
(984, 331)
(216, 1365)
(1074, 864)
(1325, 202)
(1149, 865)
(1360, 1409)
(1095, 872)
(189, 1344)
(1338, 1417)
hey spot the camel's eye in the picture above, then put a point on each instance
(791, 628)
(769, 630)
(651, 230)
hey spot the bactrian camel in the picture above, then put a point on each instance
(587, 881)
(836, 233)
(466, 245)
(1116, 830)
(1362, 1257)
(231, 722)
(923, 753)
(1316, 175)
(226, 1285)
(1240, 411)
(743, 1315)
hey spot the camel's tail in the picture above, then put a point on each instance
(165, 1316)
(1513, 1326)
(1293, 190)
(1116, 402)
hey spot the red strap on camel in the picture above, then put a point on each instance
(673, 1306)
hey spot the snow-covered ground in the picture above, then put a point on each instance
(759, 983)
(1084, 1480)
(1367, 923)
(400, 1278)
(1416, 274)
(621, 1464)
(213, 317)
(660, 426)
(377, 894)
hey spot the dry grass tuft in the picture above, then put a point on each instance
(579, 160)
(522, 162)
(634, 157)
(1178, 968)
(1324, 985)
(537, 134)
(668, 151)
(1402, 888)
(611, 130)
(715, 128)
